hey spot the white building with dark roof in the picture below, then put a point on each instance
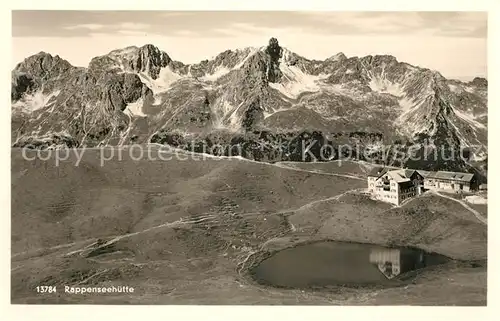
(397, 185)
(393, 186)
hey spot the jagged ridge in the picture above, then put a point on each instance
(130, 94)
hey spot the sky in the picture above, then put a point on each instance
(454, 43)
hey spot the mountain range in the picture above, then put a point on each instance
(141, 95)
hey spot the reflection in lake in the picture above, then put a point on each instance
(338, 263)
(392, 262)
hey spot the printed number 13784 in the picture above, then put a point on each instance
(46, 289)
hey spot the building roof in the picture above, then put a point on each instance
(451, 176)
(423, 173)
(378, 171)
(403, 175)
(399, 175)
(409, 172)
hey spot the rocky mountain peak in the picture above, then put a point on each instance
(275, 53)
(44, 66)
(480, 82)
(153, 52)
(439, 79)
(337, 57)
(230, 58)
(378, 60)
(273, 49)
(147, 59)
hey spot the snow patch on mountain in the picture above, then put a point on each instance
(406, 105)
(269, 112)
(384, 86)
(410, 121)
(469, 90)
(225, 115)
(469, 118)
(454, 88)
(223, 70)
(219, 72)
(135, 109)
(234, 123)
(37, 100)
(166, 78)
(295, 82)
(463, 141)
(339, 89)
(157, 100)
(252, 51)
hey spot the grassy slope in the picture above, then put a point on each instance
(342, 166)
(228, 209)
